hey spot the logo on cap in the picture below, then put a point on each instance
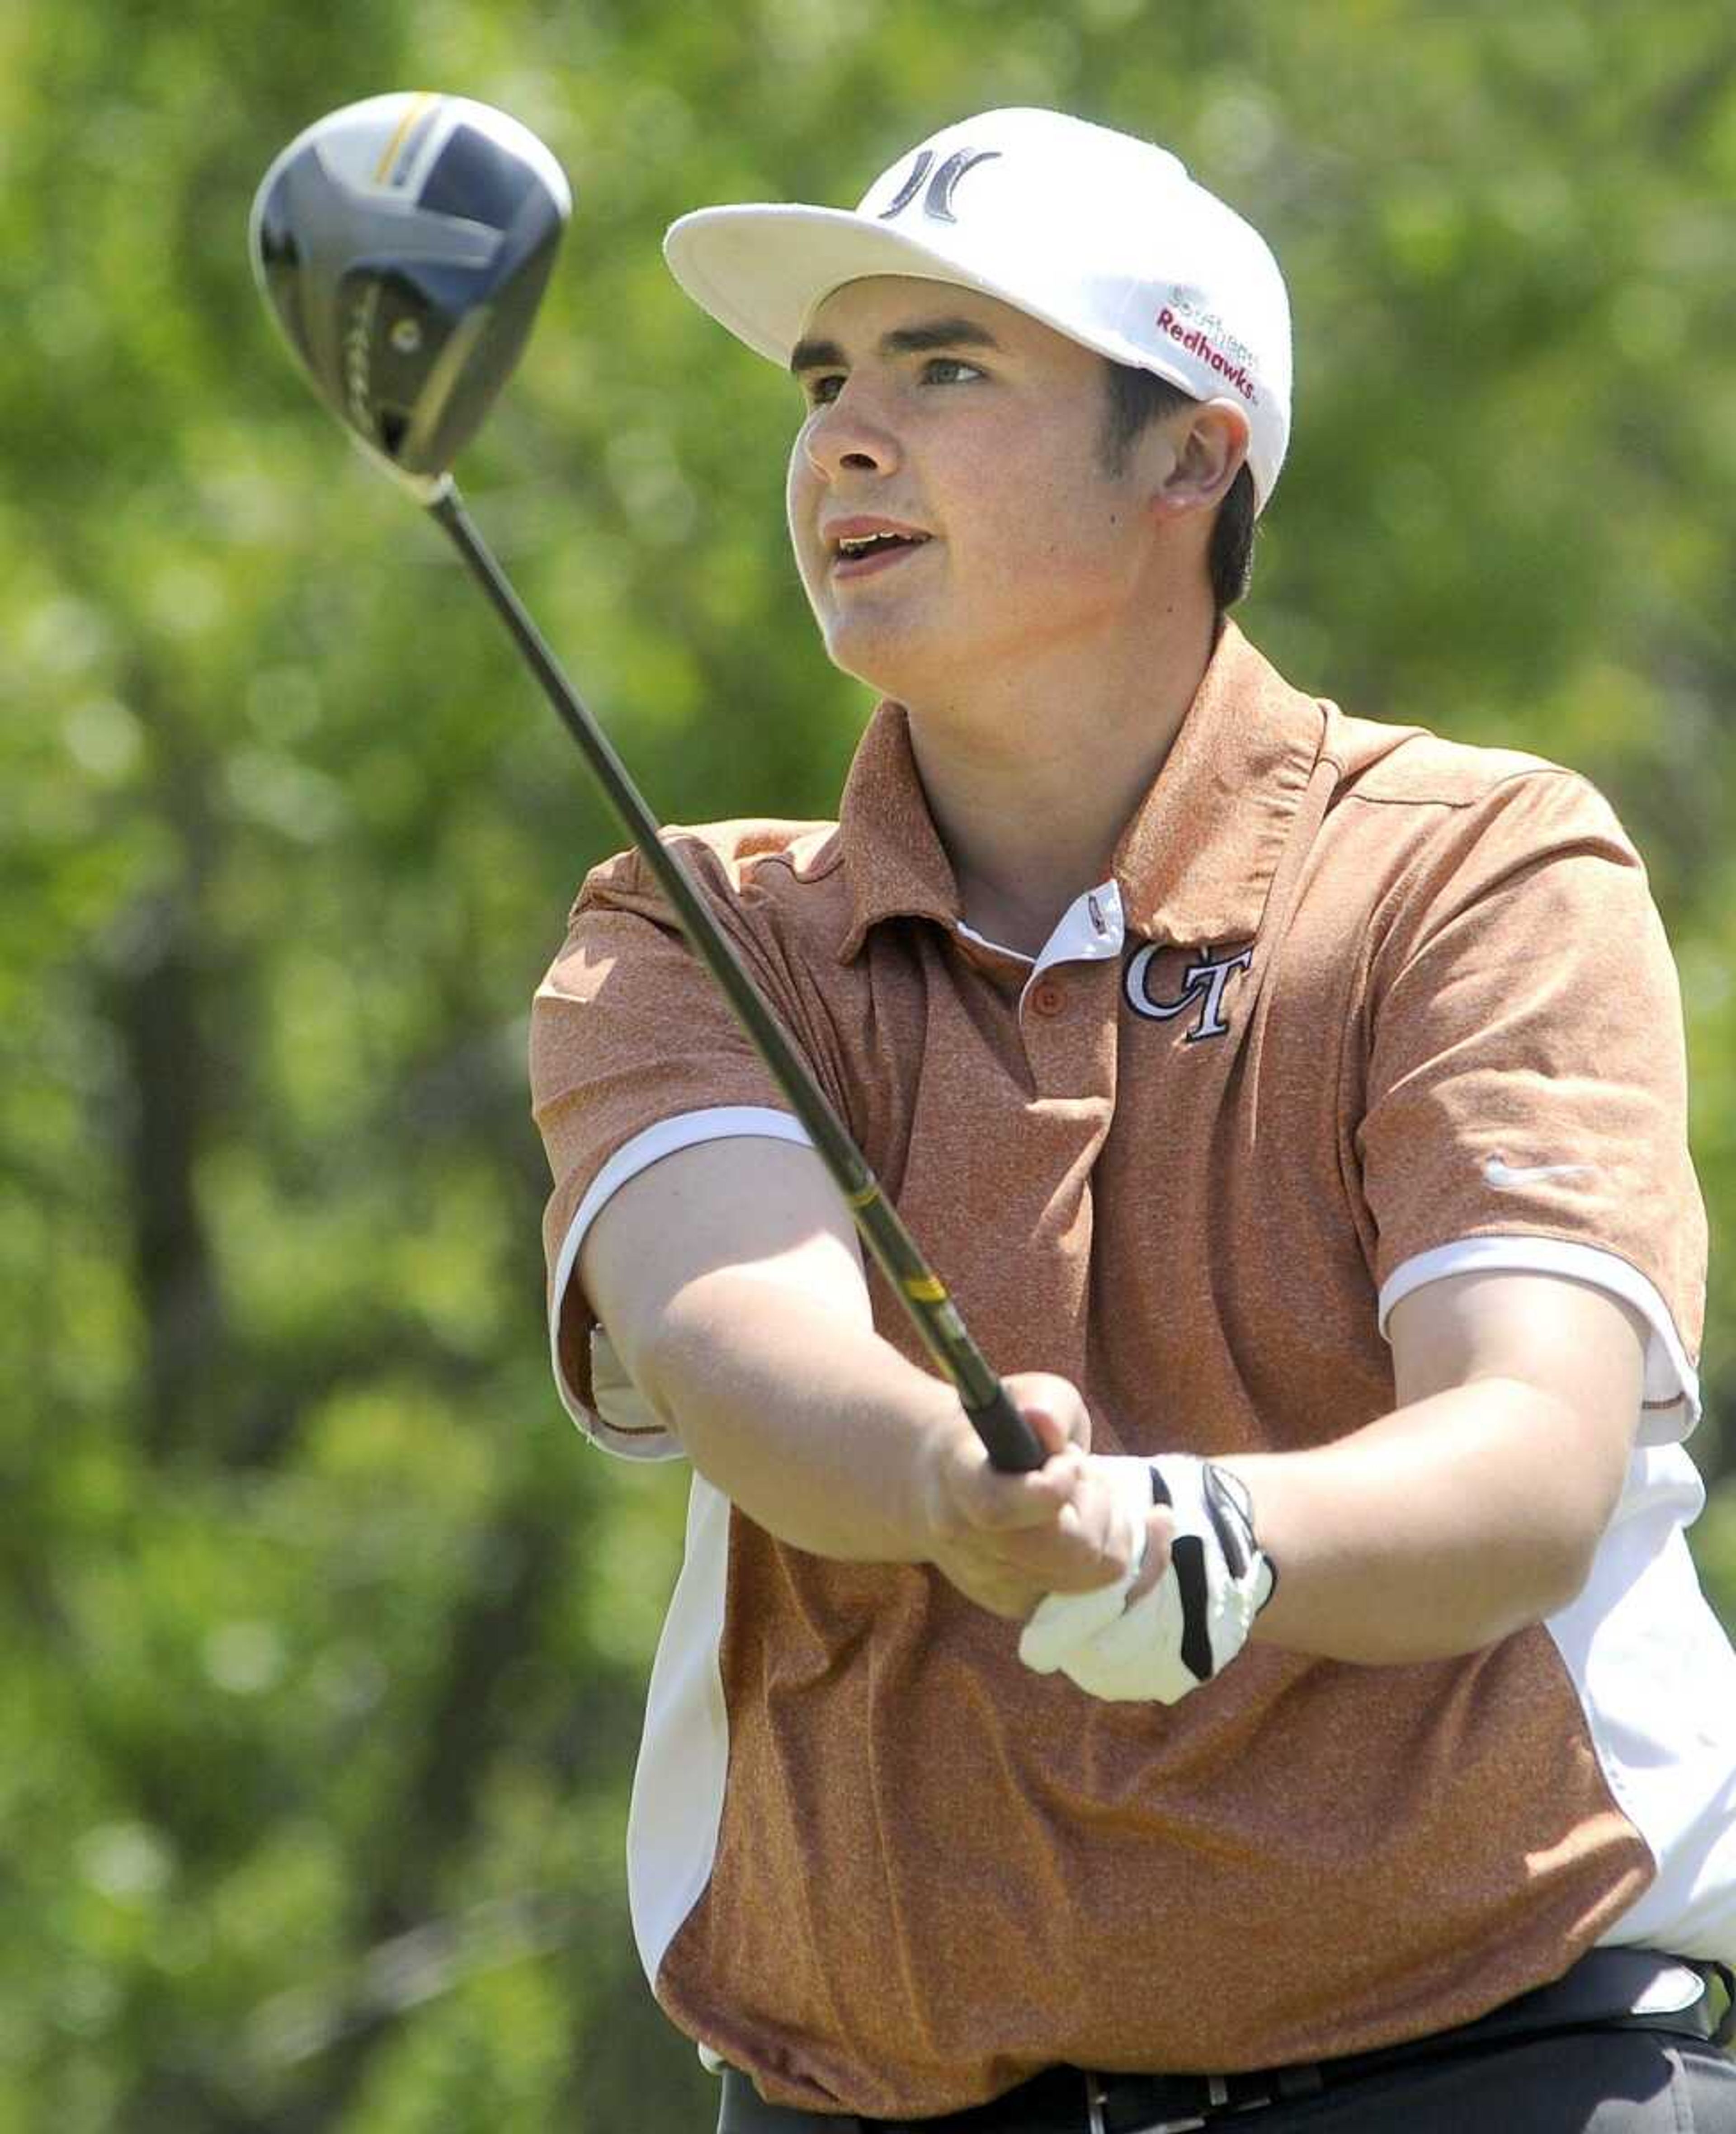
(941, 187)
(1205, 335)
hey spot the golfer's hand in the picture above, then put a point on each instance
(1163, 1636)
(1071, 1525)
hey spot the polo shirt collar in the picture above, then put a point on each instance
(1194, 864)
(893, 858)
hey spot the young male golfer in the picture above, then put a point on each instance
(1331, 1734)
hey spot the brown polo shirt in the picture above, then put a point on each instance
(1359, 1007)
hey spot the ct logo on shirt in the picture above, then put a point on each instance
(1202, 987)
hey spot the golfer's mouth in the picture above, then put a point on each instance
(860, 547)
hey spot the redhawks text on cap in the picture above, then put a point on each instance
(1197, 344)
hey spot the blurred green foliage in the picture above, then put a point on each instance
(328, 1638)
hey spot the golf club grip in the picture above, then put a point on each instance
(1008, 1438)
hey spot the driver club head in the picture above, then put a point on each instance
(403, 244)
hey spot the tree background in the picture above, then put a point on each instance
(327, 1636)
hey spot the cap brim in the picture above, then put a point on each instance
(759, 270)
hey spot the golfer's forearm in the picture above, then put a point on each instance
(1442, 1528)
(802, 1416)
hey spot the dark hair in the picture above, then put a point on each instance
(1135, 400)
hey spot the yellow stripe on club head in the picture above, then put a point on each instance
(871, 1192)
(417, 105)
(925, 1289)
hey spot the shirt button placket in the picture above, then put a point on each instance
(1070, 1031)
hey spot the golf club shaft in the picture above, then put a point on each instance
(1008, 1439)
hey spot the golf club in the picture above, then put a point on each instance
(403, 244)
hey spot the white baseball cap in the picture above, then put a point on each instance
(1101, 236)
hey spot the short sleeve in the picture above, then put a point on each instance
(634, 1053)
(1527, 1098)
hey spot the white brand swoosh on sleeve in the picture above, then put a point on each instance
(1500, 1173)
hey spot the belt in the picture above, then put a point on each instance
(1608, 1988)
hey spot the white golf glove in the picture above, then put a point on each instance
(1194, 1620)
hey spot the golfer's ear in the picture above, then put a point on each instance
(1209, 449)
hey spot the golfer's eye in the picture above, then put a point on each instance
(822, 388)
(949, 370)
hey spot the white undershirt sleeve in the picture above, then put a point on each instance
(1671, 1394)
(621, 1420)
